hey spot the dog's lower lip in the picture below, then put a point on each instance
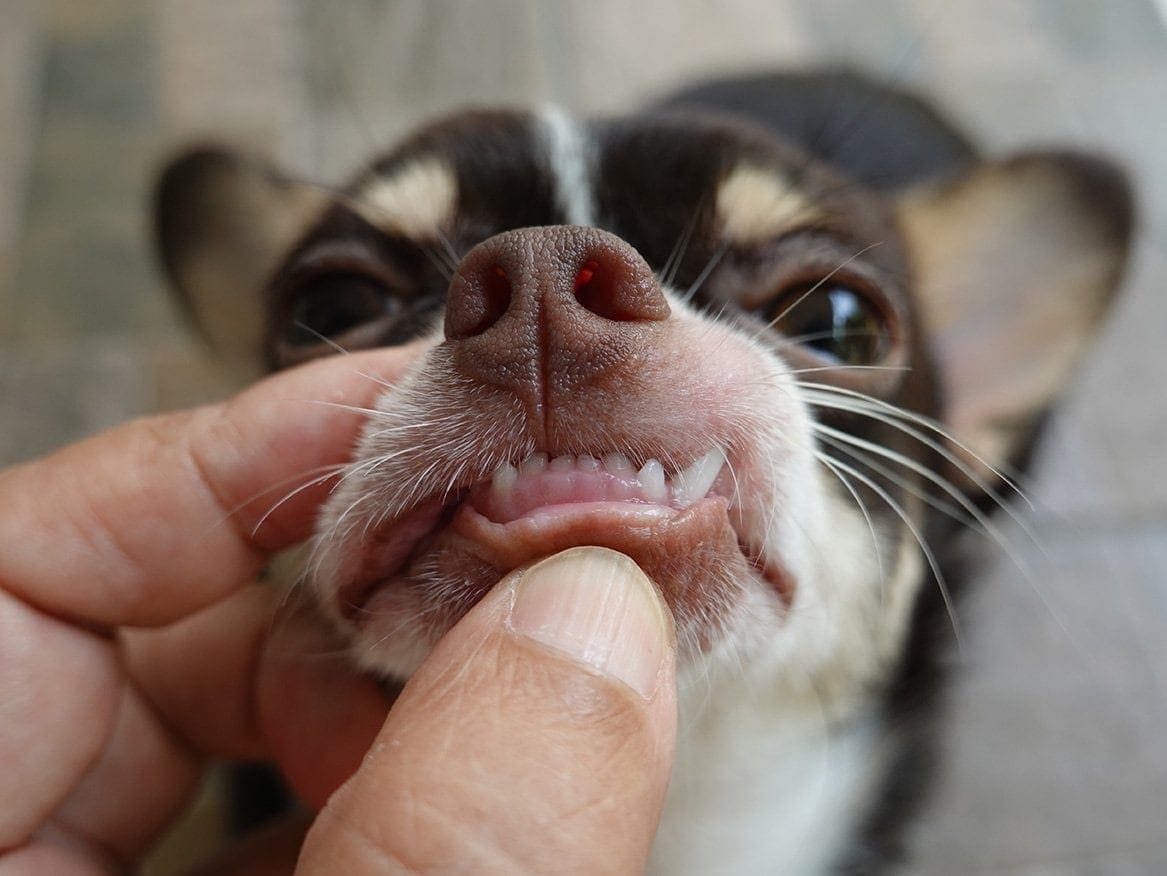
(628, 527)
(509, 529)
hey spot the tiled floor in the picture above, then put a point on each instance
(1056, 762)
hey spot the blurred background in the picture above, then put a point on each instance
(1055, 754)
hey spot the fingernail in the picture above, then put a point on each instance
(595, 606)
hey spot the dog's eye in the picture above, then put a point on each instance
(332, 305)
(834, 320)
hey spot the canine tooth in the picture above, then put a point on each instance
(562, 463)
(695, 482)
(503, 480)
(617, 463)
(534, 463)
(652, 479)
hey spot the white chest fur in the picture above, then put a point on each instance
(762, 785)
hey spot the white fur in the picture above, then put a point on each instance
(568, 158)
(761, 785)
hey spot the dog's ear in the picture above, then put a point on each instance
(1015, 264)
(223, 220)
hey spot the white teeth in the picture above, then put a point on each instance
(681, 490)
(562, 463)
(503, 480)
(695, 482)
(617, 463)
(534, 463)
(652, 480)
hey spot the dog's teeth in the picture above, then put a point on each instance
(562, 463)
(503, 480)
(695, 482)
(534, 463)
(652, 480)
(587, 463)
(618, 463)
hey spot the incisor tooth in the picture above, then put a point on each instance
(503, 480)
(534, 463)
(617, 463)
(562, 463)
(652, 479)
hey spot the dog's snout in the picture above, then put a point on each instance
(556, 270)
(544, 312)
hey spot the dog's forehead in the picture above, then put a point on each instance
(648, 179)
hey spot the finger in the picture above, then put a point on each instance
(317, 716)
(153, 520)
(249, 678)
(541, 729)
(137, 785)
(53, 851)
(199, 673)
(59, 691)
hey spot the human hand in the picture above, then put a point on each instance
(538, 737)
(156, 525)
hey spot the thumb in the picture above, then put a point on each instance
(538, 736)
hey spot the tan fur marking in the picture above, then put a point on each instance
(755, 203)
(418, 201)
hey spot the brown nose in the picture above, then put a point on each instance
(544, 312)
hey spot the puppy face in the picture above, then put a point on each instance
(674, 336)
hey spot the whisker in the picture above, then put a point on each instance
(929, 556)
(318, 475)
(953, 460)
(981, 523)
(668, 272)
(947, 508)
(452, 259)
(814, 288)
(842, 366)
(866, 516)
(290, 495)
(928, 423)
(794, 340)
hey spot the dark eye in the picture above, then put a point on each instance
(835, 321)
(330, 305)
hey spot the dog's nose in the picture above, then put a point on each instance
(547, 311)
(567, 270)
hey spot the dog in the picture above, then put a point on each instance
(786, 340)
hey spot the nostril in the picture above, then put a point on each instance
(583, 280)
(607, 291)
(481, 305)
(593, 290)
(497, 294)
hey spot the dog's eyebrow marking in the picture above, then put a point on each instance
(418, 200)
(569, 159)
(756, 203)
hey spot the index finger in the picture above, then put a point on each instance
(158, 518)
